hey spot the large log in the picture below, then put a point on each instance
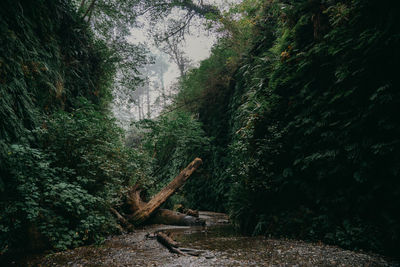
(145, 210)
(163, 216)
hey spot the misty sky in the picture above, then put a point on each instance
(197, 45)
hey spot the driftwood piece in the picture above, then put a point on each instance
(164, 238)
(173, 246)
(191, 251)
(145, 210)
(167, 242)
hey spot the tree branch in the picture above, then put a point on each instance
(202, 9)
(181, 28)
(90, 8)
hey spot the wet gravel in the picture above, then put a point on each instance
(218, 244)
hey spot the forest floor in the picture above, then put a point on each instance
(218, 244)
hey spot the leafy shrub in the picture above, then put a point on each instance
(62, 159)
(173, 140)
(74, 176)
(42, 207)
(89, 143)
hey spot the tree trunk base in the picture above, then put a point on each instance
(141, 211)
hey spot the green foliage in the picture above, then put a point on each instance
(173, 140)
(294, 115)
(73, 178)
(89, 143)
(62, 159)
(308, 145)
(47, 58)
(40, 196)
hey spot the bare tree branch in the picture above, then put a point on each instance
(181, 28)
(90, 8)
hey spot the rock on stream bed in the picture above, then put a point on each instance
(218, 244)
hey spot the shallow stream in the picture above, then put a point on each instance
(217, 243)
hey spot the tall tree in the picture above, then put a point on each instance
(159, 68)
(173, 48)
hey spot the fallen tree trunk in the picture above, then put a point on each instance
(163, 216)
(140, 211)
(145, 210)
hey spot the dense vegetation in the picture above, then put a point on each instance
(62, 159)
(300, 100)
(171, 142)
(295, 115)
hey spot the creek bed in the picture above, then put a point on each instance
(218, 243)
